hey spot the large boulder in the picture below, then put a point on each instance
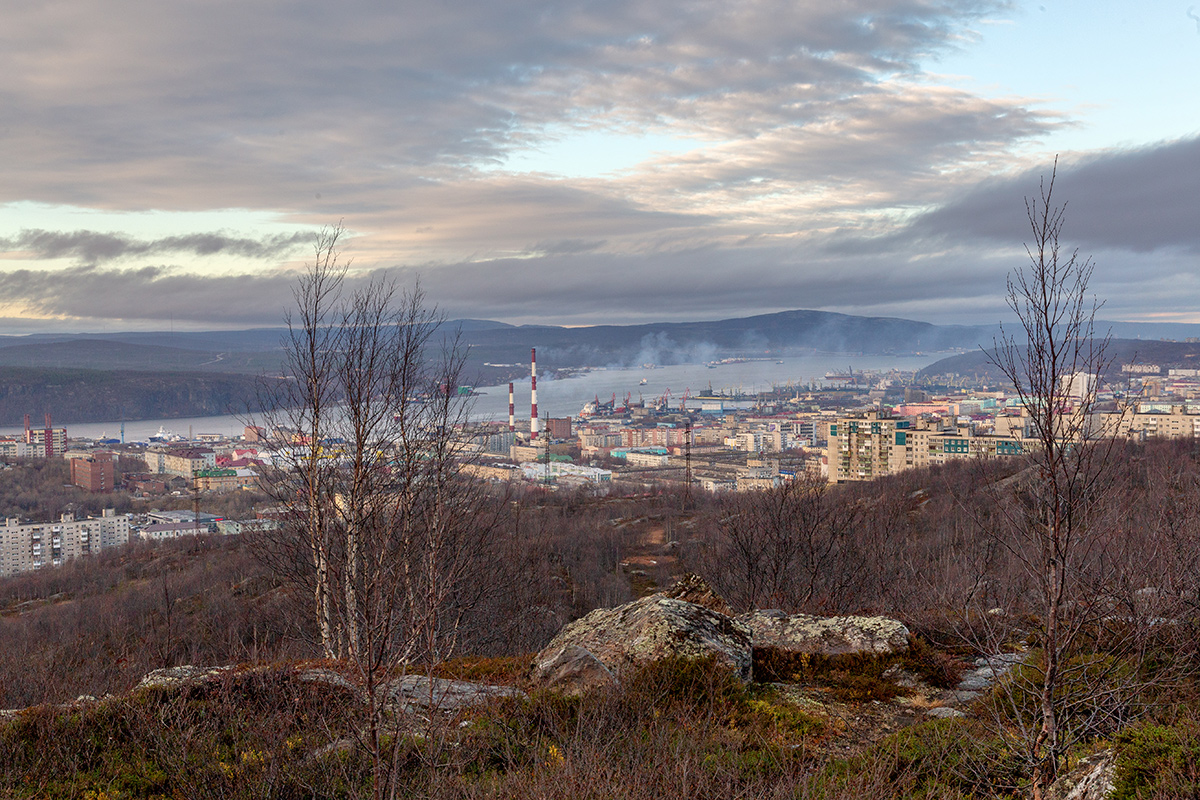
(644, 631)
(826, 636)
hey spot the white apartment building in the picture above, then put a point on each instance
(27, 546)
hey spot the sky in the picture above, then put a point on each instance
(169, 164)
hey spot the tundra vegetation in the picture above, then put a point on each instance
(806, 727)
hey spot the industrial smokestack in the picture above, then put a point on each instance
(512, 411)
(533, 417)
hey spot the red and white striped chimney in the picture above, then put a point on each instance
(512, 411)
(533, 417)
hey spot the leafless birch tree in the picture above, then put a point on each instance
(392, 539)
(1054, 519)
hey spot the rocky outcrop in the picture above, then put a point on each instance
(170, 677)
(1091, 780)
(641, 632)
(409, 693)
(984, 676)
(691, 588)
(826, 636)
(572, 670)
(417, 692)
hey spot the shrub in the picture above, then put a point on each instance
(1157, 761)
(934, 666)
(950, 758)
(859, 677)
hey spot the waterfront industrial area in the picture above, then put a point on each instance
(846, 425)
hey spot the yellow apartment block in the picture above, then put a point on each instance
(866, 447)
(1153, 420)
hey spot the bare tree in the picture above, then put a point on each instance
(1052, 518)
(784, 547)
(391, 538)
(299, 413)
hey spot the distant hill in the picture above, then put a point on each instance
(148, 375)
(83, 395)
(1168, 355)
(684, 342)
(257, 351)
(117, 355)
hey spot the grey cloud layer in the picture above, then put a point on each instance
(270, 104)
(91, 247)
(1140, 200)
(815, 135)
(148, 293)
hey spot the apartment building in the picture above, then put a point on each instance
(1154, 420)
(94, 472)
(225, 480)
(184, 462)
(27, 546)
(871, 446)
(14, 447)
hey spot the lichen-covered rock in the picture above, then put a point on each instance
(944, 712)
(1091, 780)
(325, 677)
(826, 636)
(652, 629)
(572, 670)
(691, 588)
(176, 676)
(413, 692)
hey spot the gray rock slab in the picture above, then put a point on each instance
(827, 636)
(572, 669)
(944, 712)
(420, 692)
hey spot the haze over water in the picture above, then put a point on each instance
(565, 397)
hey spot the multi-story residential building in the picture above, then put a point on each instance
(559, 428)
(94, 472)
(1154, 420)
(184, 461)
(45, 442)
(652, 457)
(653, 437)
(13, 447)
(27, 546)
(874, 445)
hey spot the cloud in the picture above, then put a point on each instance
(91, 247)
(823, 167)
(1140, 200)
(340, 111)
(158, 293)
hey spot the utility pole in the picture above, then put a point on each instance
(195, 507)
(546, 453)
(687, 452)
